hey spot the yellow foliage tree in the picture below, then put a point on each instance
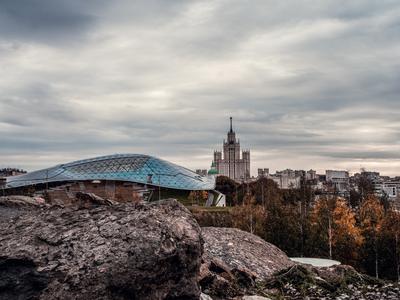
(346, 237)
(371, 213)
(198, 197)
(333, 229)
(371, 218)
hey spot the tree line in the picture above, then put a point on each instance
(362, 231)
(10, 171)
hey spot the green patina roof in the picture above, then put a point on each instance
(212, 171)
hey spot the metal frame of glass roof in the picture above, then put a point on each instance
(137, 168)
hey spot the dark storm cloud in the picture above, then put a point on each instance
(309, 83)
(45, 20)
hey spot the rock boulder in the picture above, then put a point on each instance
(243, 251)
(234, 260)
(126, 251)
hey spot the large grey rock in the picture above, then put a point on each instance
(234, 260)
(243, 251)
(18, 201)
(337, 282)
(143, 251)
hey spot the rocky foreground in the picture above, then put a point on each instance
(236, 264)
(143, 251)
(104, 250)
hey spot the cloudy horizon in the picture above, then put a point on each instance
(310, 84)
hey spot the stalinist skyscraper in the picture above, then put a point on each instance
(232, 165)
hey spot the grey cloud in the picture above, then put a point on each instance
(33, 104)
(368, 155)
(50, 21)
(307, 83)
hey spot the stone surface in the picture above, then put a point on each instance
(254, 298)
(127, 251)
(21, 201)
(234, 260)
(13, 206)
(244, 251)
(205, 297)
(88, 200)
(336, 282)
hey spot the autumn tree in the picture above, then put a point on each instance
(264, 190)
(334, 233)
(371, 217)
(198, 197)
(346, 236)
(320, 243)
(389, 245)
(250, 216)
(263, 212)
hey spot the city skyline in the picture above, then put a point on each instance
(255, 168)
(309, 85)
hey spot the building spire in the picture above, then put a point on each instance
(231, 124)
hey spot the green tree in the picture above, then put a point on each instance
(389, 245)
(365, 186)
(250, 216)
(229, 188)
(263, 190)
(282, 227)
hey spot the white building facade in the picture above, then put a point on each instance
(287, 179)
(340, 180)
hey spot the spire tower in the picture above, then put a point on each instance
(229, 162)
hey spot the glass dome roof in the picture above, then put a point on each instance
(137, 168)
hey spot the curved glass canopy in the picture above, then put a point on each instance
(137, 168)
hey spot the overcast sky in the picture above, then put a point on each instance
(310, 84)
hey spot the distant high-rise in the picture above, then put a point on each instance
(231, 164)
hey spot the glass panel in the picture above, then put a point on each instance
(124, 167)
